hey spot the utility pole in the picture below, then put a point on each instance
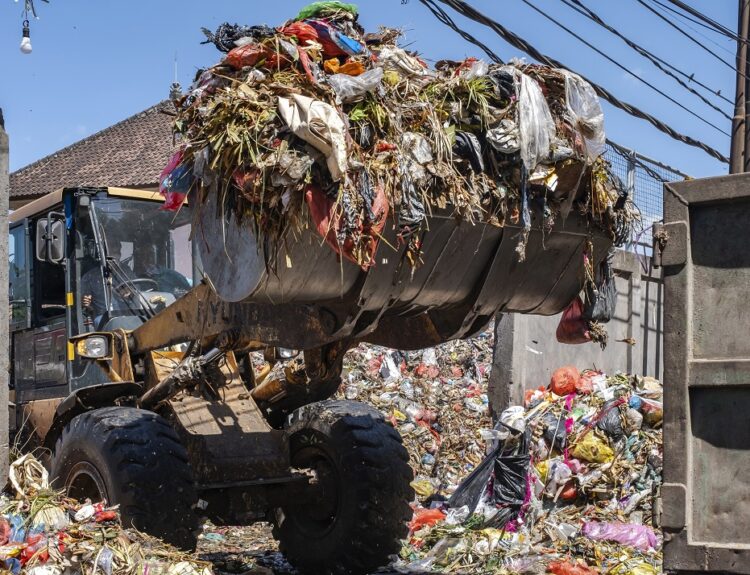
(737, 160)
(4, 300)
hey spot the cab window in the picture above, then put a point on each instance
(18, 276)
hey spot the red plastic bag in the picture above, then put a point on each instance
(302, 31)
(252, 54)
(425, 517)
(175, 181)
(586, 383)
(323, 216)
(572, 328)
(565, 380)
(568, 568)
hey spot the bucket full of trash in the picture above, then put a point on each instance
(325, 163)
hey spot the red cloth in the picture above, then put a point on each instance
(322, 213)
(572, 328)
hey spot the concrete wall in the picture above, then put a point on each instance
(527, 351)
(4, 320)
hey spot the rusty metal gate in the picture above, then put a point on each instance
(706, 259)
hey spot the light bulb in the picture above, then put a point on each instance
(26, 45)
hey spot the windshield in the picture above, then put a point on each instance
(149, 261)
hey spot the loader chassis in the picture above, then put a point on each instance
(159, 371)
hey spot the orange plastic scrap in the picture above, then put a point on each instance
(425, 518)
(568, 568)
(565, 380)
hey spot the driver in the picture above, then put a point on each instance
(167, 280)
(92, 285)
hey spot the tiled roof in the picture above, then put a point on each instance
(130, 153)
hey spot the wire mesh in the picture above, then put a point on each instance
(643, 178)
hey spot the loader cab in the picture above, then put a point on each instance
(83, 260)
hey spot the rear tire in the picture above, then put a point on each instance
(133, 458)
(357, 516)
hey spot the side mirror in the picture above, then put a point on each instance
(50, 238)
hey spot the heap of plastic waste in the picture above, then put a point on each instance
(316, 123)
(44, 533)
(567, 487)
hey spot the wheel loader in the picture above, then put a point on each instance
(133, 332)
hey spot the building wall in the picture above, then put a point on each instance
(527, 351)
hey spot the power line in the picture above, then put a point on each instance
(519, 43)
(443, 16)
(660, 63)
(625, 68)
(687, 21)
(681, 31)
(703, 19)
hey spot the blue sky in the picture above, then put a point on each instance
(97, 62)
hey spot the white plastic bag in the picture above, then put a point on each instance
(349, 88)
(535, 124)
(586, 114)
(320, 125)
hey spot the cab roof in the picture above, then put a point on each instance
(45, 203)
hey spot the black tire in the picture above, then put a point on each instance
(358, 517)
(133, 458)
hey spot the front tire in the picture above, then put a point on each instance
(356, 517)
(133, 458)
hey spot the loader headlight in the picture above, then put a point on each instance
(93, 347)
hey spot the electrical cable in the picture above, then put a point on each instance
(660, 63)
(519, 43)
(626, 69)
(681, 31)
(443, 17)
(703, 19)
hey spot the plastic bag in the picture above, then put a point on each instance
(328, 224)
(175, 181)
(641, 537)
(252, 54)
(398, 60)
(554, 431)
(634, 567)
(425, 518)
(568, 568)
(535, 124)
(320, 125)
(504, 137)
(325, 8)
(349, 88)
(586, 114)
(611, 422)
(653, 411)
(573, 329)
(593, 449)
(601, 297)
(564, 380)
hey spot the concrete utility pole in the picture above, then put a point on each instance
(740, 133)
(4, 300)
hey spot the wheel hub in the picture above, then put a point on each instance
(85, 482)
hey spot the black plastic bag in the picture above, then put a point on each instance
(611, 422)
(506, 469)
(554, 431)
(601, 298)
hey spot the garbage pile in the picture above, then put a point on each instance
(318, 123)
(436, 398)
(567, 487)
(44, 533)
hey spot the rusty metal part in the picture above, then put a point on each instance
(227, 438)
(39, 415)
(190, 372)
